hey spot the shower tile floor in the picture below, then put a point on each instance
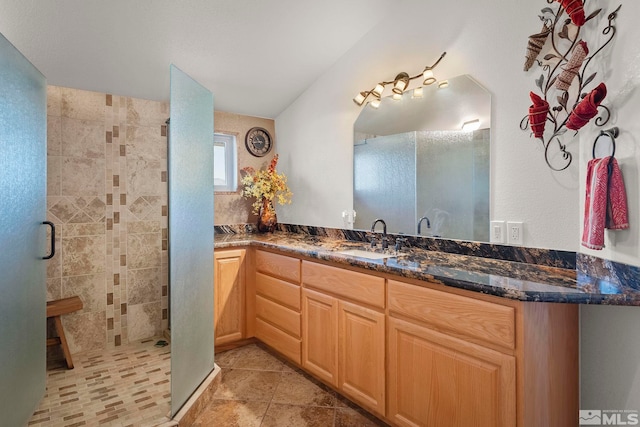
(124, 386)
(130, 386)
(259, 389)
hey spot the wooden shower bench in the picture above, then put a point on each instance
(56, 309)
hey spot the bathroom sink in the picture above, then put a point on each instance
(365, 254)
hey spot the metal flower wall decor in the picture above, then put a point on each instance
(570, 94)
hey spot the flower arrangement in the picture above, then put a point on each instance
(266, 186)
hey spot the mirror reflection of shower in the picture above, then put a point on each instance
(413, 159)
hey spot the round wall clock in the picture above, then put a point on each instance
(258, 141)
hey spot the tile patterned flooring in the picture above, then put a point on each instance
(259, 389)
(125, 386)
(130, 386)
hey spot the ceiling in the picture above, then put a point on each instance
(256, 56)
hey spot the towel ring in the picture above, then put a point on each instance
(611, 133)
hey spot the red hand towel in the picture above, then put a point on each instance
(617, 213)
(587, 108)
(538, 114)
(575, 10)
(605, 204)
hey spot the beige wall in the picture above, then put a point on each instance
(107, 195)
(232, 208)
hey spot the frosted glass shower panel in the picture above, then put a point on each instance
(190, 235)
(384, 182)
(23, 169)
(452, 183)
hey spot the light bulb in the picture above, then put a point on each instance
(359, 98)
(428, 77)
(377, 91)
(399, 87)
(401, 83)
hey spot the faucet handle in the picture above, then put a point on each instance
(373, 242)
(385, 243)
(400, 241)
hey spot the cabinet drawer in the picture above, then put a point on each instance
(278, 340)
(479, 320)
(278, 265)
(345, 283)
(279, 315)
(278, 290)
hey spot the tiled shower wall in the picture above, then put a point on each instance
(107, 195)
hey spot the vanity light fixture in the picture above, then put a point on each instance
(443, 84)
(471, 125)
(400, 84)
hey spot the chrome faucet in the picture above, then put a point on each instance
(385, 244)
(420, 223)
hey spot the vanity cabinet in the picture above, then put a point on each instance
(437, 376)
(229, 295)
(278, 303)
(343, 332)
(457, 359)
(413, 352)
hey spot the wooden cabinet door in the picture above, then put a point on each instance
(361, 360)
(320, 335)
(437, 380)
(229, 295)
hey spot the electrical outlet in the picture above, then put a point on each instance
(515, 233)
(497, 232)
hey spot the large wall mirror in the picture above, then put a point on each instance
(417, 169)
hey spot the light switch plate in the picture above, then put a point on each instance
(497, 232)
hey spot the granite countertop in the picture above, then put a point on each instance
(507, 279)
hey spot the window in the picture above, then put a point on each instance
(225, 170)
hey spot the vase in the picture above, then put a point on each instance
(267, 219)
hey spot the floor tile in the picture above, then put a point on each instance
(286, 395)
(349, 417)
(232, 413)
(279, 415)
(296, 388)
(241, 384)
(255, 357)
(228, 358)
(120, 386)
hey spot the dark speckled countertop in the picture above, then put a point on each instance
(508, 279)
